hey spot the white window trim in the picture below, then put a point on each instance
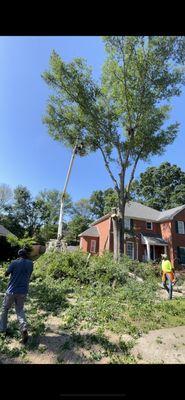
(132, 249)
(93, 246)
(182, 225)
(150, 222)
(128, 220)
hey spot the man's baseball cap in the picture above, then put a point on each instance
(22, 253)
(164, 256)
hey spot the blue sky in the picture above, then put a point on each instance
(28, 155)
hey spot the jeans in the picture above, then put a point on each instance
(169, 287)
(8, 301)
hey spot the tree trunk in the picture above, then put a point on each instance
(115, 237)
(122, 222)
(119, 238)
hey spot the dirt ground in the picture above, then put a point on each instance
(163, 346)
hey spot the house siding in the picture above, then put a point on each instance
(85, 244)
(104, 238)
(140, 226)
(178, 240)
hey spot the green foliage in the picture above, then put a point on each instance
(82, 208)
(48, 204)
(49, 294)
(98, 270)
(33, 217)
(102, 202)
(160, 187)
(77, 225)
(25, 243)
(47, 232)
(82, 295)
(24, 209)
(62, 265)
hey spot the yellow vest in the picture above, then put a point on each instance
(166, 266)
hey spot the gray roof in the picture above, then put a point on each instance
(4, 231)
(153, 239)
(169, 214)
(92, 231)
(136, 210)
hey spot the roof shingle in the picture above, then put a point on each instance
(92, 231)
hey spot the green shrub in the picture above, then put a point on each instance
(26, 243)
(61, 265)
(104, 269)
(49, 294)
(99, 269)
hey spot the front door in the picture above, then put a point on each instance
(152, 252)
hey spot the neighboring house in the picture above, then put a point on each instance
(5, 232)
(149, 233)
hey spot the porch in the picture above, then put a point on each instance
(153, 246)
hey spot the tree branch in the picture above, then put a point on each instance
(109, 170)
(132, 174)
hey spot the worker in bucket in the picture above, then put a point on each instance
(20, 271)
(168, 276)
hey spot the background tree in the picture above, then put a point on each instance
(124, 116)
(74, 227)
(103, 201)
(82, 208)
(48, 206)
(25, 211)
(6, 195)
(160, 187)
(48, 202)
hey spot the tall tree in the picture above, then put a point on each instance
(6, 195)
(160, 187)
(124, 116)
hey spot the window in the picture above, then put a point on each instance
(180, 225)
(149, 225)
(130, 250)
(93, 246)
(181, 254)
(127, 223)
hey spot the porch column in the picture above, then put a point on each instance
(165, 249)
(148, 250)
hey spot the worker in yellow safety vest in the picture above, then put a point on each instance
(167, 274)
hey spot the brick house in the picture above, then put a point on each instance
(149, 233)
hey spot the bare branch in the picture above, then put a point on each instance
(109, 170)
(132, 174)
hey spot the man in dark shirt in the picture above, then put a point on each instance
(20, 271)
